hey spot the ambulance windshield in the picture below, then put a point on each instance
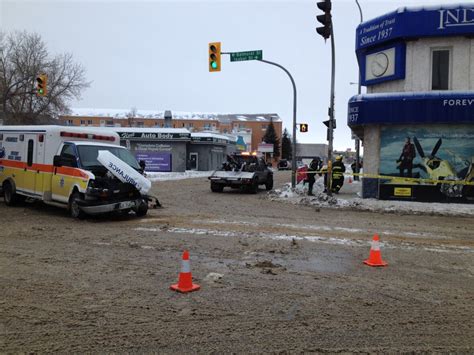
(88, 155)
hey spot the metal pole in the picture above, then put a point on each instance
(293, 160)
(357, 141)
(331, 114)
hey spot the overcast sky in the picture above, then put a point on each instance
(152, 54)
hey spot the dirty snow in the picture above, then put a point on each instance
(349, 198)
(188, 174)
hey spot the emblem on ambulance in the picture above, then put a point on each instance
(61, 182)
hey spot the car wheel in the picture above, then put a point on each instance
(253, 188)
(216, 187)
(74, 209)
(269, 183)
(142, 209)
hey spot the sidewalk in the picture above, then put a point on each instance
(349, 197)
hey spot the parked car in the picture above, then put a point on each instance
(284, 164)
(242, 171)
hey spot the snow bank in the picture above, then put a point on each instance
(188, 174)
(298, 196)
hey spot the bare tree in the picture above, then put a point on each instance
(23, 56)
(131, 116)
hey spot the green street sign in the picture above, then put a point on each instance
(249, 55)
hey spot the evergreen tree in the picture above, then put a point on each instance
(286, 149)
(271, 137)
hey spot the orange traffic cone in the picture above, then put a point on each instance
(375, 257)
(185, 280)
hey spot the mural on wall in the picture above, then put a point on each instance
(437, 152)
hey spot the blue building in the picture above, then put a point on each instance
(418, 67)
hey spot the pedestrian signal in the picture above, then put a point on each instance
(215, 56)
(303, 127)
(326, 123)
(41, 85)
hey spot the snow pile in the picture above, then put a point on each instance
(188, 174)
(299, 196)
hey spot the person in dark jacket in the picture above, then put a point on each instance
(406, 158)
(338, 170)
(314, 166)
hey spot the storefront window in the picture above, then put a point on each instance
(440, 70)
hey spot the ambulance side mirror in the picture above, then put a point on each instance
(57, 161)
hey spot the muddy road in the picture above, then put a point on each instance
(274, 277)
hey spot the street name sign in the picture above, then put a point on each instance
(249, 55)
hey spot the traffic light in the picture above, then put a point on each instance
(215, 56)
(42, 85)
(325, 19)
(303, 127)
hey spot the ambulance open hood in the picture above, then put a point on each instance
(123, 171)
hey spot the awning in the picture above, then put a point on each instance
(411, 108)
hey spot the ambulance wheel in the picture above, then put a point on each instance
(142, 209)
(74, 209)
(9, 196)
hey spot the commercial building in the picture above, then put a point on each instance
(175, 149)
(418, 67)
(248, 128)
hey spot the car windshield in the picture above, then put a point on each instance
(88, 155)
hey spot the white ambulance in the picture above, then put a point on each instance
(83, 169)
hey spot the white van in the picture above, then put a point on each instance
(59, 165)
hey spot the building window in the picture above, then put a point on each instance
(83, 122)
(69, 123)
(109, 123)
(89, 122)
(440, 69)
(140, 124)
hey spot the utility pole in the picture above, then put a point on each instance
(331, 113)
(327, 31)
(357, 141)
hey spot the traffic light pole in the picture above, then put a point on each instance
(293, 160)
(331, 114)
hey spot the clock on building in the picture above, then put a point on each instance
(379, 64)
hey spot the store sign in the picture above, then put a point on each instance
(456, 20)
(208, 140)
(153, 136)
(402, 108)
(155, 161)
(265, 148)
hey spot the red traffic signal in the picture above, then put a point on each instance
(303, 127)
(325, 19)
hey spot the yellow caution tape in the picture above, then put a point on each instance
(399, 178)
